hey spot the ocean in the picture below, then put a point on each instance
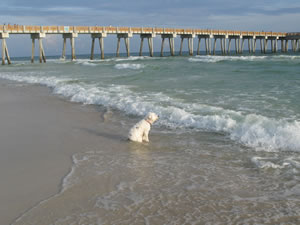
(226, 149)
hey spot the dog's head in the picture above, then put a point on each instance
(151, 117)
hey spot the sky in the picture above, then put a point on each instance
(254, 15)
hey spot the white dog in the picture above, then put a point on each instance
(140, 131)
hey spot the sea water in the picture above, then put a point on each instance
(226, 149)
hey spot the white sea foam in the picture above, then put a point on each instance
(89, 64)
(129, 66)
(265, 163)
(214, 59)
(291, 163)
(259, 132)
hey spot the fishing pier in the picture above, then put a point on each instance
(209, 38)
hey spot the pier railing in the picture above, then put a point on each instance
(16, 29)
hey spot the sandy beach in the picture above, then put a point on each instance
(39, 133)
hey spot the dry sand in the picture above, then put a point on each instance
(38, 135)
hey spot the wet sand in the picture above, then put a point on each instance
(39, 133)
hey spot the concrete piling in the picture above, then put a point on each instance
(229, 46)
(72, 37)
(242, 46)
(224, 46)
(126, 37)
(162, 47)
(215, 44)
(99, 36)
(42, 56)
(249, 45)
(189, 38)
(198, 48)
(237, 50)
(5, 54)
(64, 48)
(150, 43)
(92, 49)
(141, 47)
(171, 43)
(265, 45)
(254, 45)
(206, 42)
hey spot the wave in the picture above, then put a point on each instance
(87, 64)
(129, 66)
(259, 132)
(275, 163)
(215, 59)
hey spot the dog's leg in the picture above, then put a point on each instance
(145, 136)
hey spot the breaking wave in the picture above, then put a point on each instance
(259, 132)
(129, 66)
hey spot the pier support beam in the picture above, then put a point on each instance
(261, 46)
(273, 44)
(72, 37)
(5, 54)
(206, 43)
(224, 46)
(236, 39)
(38, 36)
(282, 45)
(190, 38)
(237, 45)
(101, 37)
(222, 39)
(126, 37)
(150, 43)
(265, 45)
(250, 40)
(198, 48)
(250, 47)
(254, 44)
(171, 43)
(229, 45)
(294, 45)
(215, 45)
(242, 45)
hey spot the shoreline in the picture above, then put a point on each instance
(39, 134)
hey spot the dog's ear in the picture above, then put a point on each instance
(152, 117)
(149, 116)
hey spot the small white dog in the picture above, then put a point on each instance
(140, 131)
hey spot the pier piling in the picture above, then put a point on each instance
(42, 56)
(101, 37)
(150, 43)
(126, 37)
(72, 37)
(171, 43)
(5, 54)
(190, 38)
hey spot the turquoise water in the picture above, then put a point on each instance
(226, 149)
(253, 100)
